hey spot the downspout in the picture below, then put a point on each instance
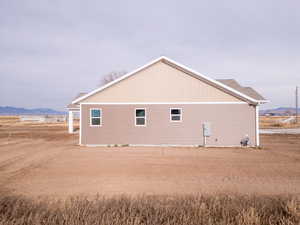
(257, 124)
(80, 123)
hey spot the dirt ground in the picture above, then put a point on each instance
(46, 160)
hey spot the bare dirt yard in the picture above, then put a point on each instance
(45, 160)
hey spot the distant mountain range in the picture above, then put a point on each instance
(281, 111)
(8, 110)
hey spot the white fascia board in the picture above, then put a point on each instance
(212, 80)
(117, 80)
(172, 62)
(161, 103)
(257, 125)
(80, 124)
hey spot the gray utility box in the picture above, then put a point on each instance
(206, 129)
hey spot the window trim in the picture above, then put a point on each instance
(135, 117)
(175, 121)
(101, 115)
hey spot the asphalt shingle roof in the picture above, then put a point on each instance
(245, 90)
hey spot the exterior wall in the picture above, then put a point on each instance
(161, 83)
(229, 124)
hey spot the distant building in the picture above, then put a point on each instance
(43, 118)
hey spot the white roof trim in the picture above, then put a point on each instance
(161, 103)
(177, 64)
(212, 80)
(117, 80)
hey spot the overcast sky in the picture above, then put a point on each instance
(51, 50)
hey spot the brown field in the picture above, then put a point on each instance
(273, 122)
(43, 159)
(152, 210)
(158, 185)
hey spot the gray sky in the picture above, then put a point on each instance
(51, 50)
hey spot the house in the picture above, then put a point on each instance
(42, 118)
(166, 103)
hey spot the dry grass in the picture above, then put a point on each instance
(14, 121)
(274, 122)
(8, 120)
(223, 209)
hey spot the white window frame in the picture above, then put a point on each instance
(176, 121)
(101, 115)
(135, 117)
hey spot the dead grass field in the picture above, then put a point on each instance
(45, 160)
(152, 210)
(274, 122)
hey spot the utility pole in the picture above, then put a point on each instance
(296, 104)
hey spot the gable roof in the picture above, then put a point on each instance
(216, 83)
(75, 106)
(245, 90)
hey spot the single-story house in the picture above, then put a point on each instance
(167, 103)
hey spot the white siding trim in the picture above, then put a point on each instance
(90, 116)
(164, 145)
(212, 80)
(135, 117)
(257, 125)
(80, 123)
(176, 121)
(176, 64)
(116, 80)
(162, 103)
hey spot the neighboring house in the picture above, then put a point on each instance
(166, 103)
(43, 118)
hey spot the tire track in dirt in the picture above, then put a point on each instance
(11, 148)
(14, 153)
(38, 162)
(30, 157)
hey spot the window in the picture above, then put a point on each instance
(175, 115)
(96, 117)
(140, 117)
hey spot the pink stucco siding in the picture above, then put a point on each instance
(229, 123)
